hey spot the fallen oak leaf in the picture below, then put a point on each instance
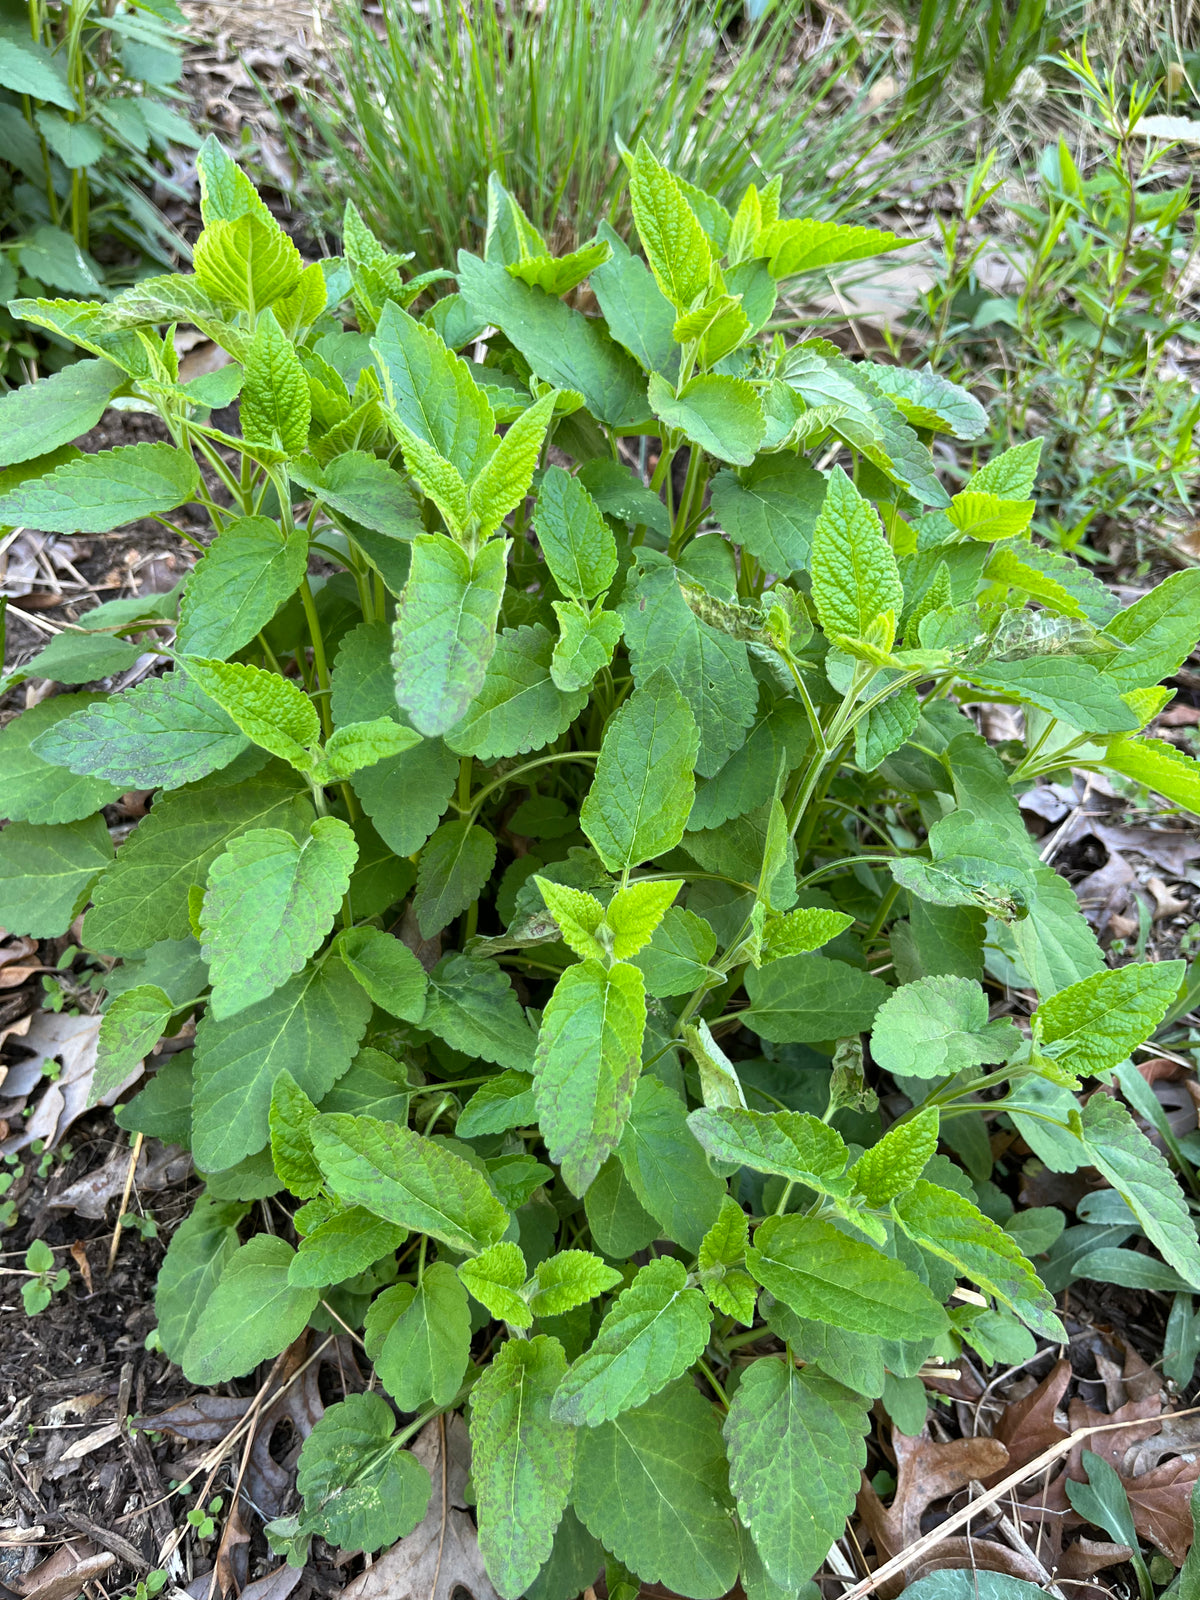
(1161, 1504)
(1028, 1426)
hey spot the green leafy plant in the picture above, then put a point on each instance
(553, 877)
(44, 1281)
(88, 100)
(545, 101)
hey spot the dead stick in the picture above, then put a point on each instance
(914, 1552)
(129, 1176)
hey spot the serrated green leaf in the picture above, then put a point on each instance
(829, 1276)
(289, 1120)
(269, 903)
(671, 1522)
(771, 509)
(635, 911)
(342, 1246)
(808, 244)
(496, 1277)
(521, 1461)
(506, 476)
(310, 1026)
(427, 1346)
(665, 1165)
(722, 415)
(798, 932)
(710, 669)
(1094, 1024)
(356, 745)
(898, 1160)
(403, 1178)
(1011, 474)
(1158, 631)
(803, 999)
(927, 400)
(1141, 1176)
(585, 644)
(796, 1453)
(201, 1248)
(519, 707)
(269, 709)
(886, 727)
(36, 418)
(360, 1492)
(387, 970)
(36, 790)
(1064, 686)
(568, 1279)
(161, 734)
(791, 1144)
(131, 1027)
(97, 493)
(237, 586)
(454, 869)
(653, 1332)
(988, 516)
(671, 235)
(275, 406)
(433, 393)
(854, 573)
(589, 1054)
(579, 916)
(47, 874)
(1160, 766)
(472, 1005)
(144, 897)
(251, 1315)
(247, 262)
(638, 804)
(503, 1102)
(947, 1225)
(676, 959)
(445, 629)
(576, 541)
(938, 1026)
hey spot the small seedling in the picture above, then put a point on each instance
(45, 1282)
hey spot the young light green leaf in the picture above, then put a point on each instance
(47, 874)
(568, 1279)
(638, 804)
(269, 709)
(360, 1492)
(433, 393)
(671, 1522)
(237, 586)
(937, 1026)
(519, 706)
(803, 999)
(269, 903)
(100, 492)
(791, 1144)
(1094, 1024)
(387, 970)
(446, 629)
(589, 1054)
(665, 1165)
(251, 1315)
(1160, 766)
(1011, 474)
(888, 1168)
(505, 478)
(144, 897)
(496, 1277)
(801, 931)
(275, 406)
(356, 745)
(576, 541)
(1158, 632)
(131, 1027)
(289, 1120)
(808, 244)
(247, 262)
(403, 1178)
(654, 1331)
(161, 734)
(947, 1225)
(671, 235)
(722, 415)
(636, 911)
(585, 644)
(521, 1461)
(796, 1453)
(988, 516)
(578, 914)
(829, 1276)
(854, 574)
(427, 1347)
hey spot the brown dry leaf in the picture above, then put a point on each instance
(984, 1555)
(71, 1041)
(79, 1256)
(233, 1552)
(1160, 1501)
(1027, 1427)
(442, 1554)
(276, 1585)
(158, 1167)
(63, 1575)
(925, 1472)
(1088, 1556)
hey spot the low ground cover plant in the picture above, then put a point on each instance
(553, 874)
